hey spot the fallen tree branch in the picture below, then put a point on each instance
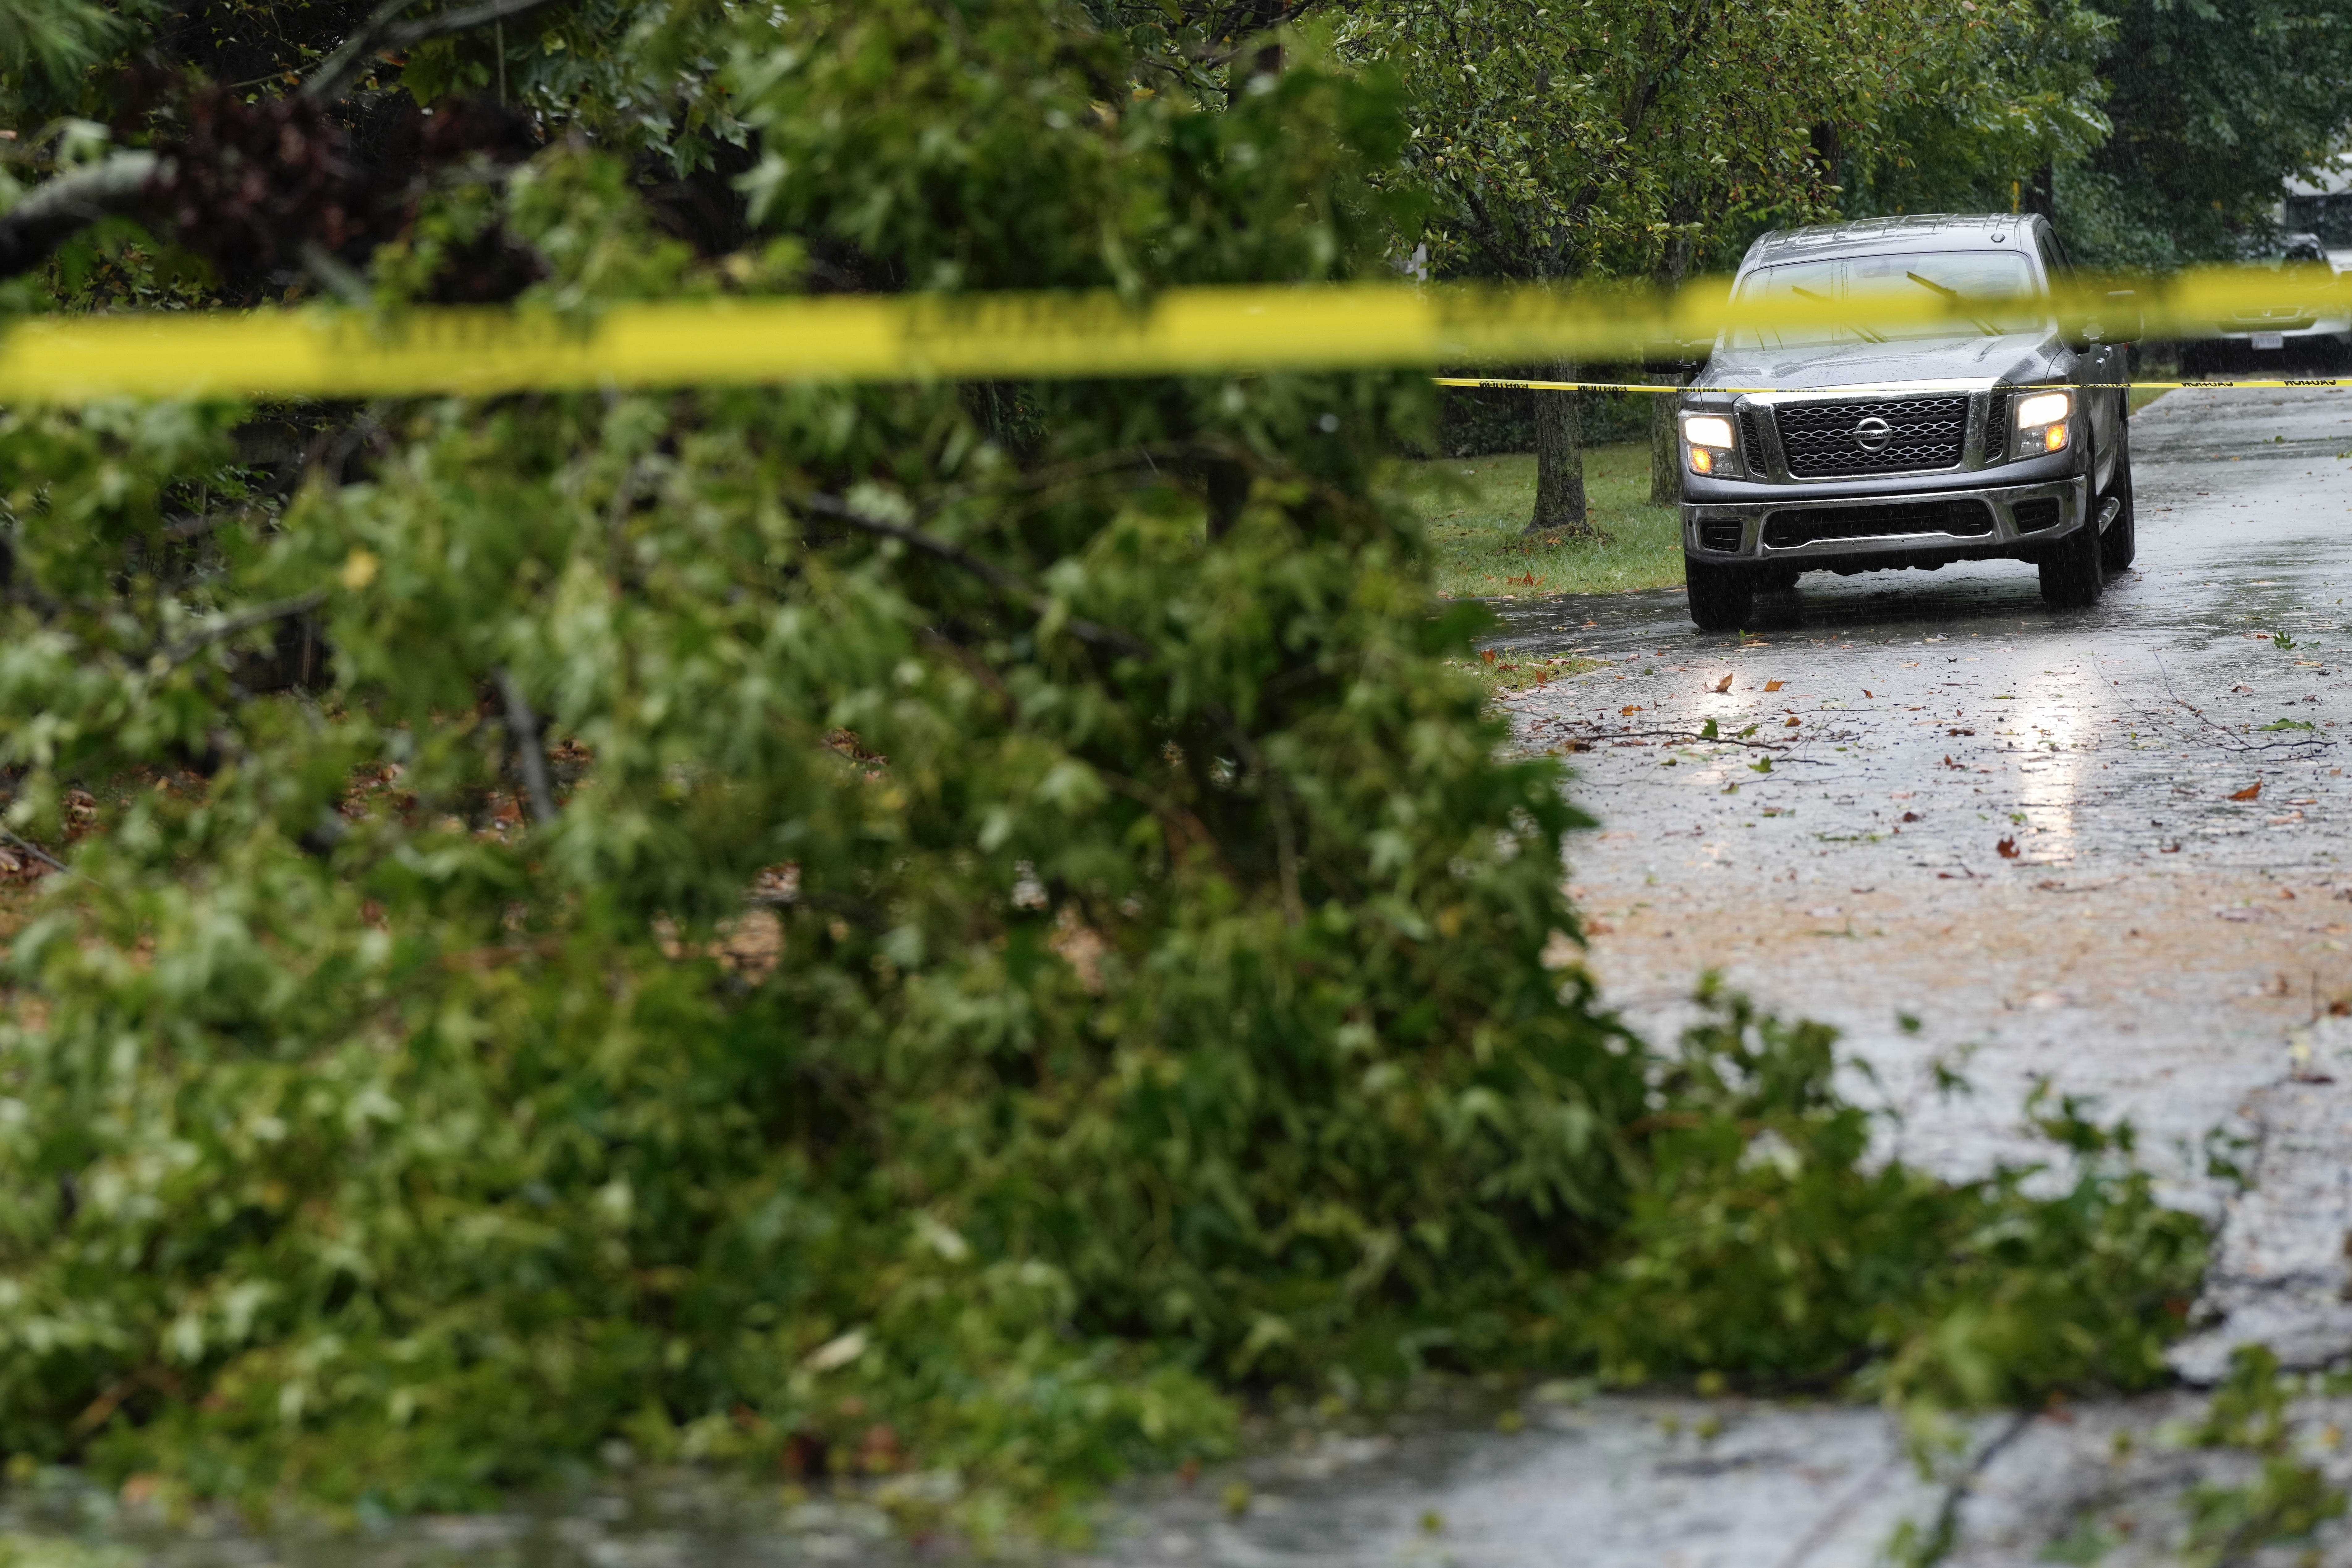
(187, 648)
(1182, 822)
(523, 724)
(1272, 786)
(1016, 587)
(1011, 584)
(1693, 736)
(36, 851)
(60, 208)
(385, 30)
(57, 211)
(2227, 741)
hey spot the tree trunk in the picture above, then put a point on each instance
(2041, 194)
(1559, 462)
(1666, 442)
(1267, 59)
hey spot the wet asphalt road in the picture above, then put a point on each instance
(2022, 828)
(2016, 825)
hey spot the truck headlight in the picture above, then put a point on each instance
(1711, 441)
(2041, 423)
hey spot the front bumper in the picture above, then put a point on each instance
(1755, 521)
(2333, 329)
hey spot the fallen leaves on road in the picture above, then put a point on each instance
(2251, 792)
(1950, 763)
(1866, 692)
(1791, 723)
(2007, 849)
(1960, 732)
(1631, 708)
(1771, 685)
(1724, 685)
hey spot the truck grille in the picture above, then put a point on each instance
(1818, 438)
(1785, 529)
(1996, 432)
(1751, 441)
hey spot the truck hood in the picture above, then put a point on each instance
(2012, 357)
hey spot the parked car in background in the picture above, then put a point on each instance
(2309, 325)
(1876, 447)
(2322, 206)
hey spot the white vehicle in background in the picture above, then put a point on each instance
(2322, 211)
(2310, 325)
(2313, 245)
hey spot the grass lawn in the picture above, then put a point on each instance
(1476, 507)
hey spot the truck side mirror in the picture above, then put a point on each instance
(2113, 317)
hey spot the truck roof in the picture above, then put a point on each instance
(1965, 231)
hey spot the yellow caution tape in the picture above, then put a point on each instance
(329, 352)
(1498, 381)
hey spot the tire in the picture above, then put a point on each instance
(1721, 597)
(2070, 575)
(2120, 542)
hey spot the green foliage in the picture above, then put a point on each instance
(48, 1551)
(48, 48)
(1636, 137)
(1763, 1240)
(2287, 1498)
(1130, 1007)
(2214, 107)
(641, 74)
(2019, 95)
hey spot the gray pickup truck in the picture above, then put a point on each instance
(1875, 447)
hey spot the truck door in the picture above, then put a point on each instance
(2098, 369)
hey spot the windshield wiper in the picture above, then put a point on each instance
(1987, 327)
(1808, 293)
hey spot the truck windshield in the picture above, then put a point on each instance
(1994, 291)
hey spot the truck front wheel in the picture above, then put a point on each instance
(1721, 597)
(2120, 543)
(2072, 574)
